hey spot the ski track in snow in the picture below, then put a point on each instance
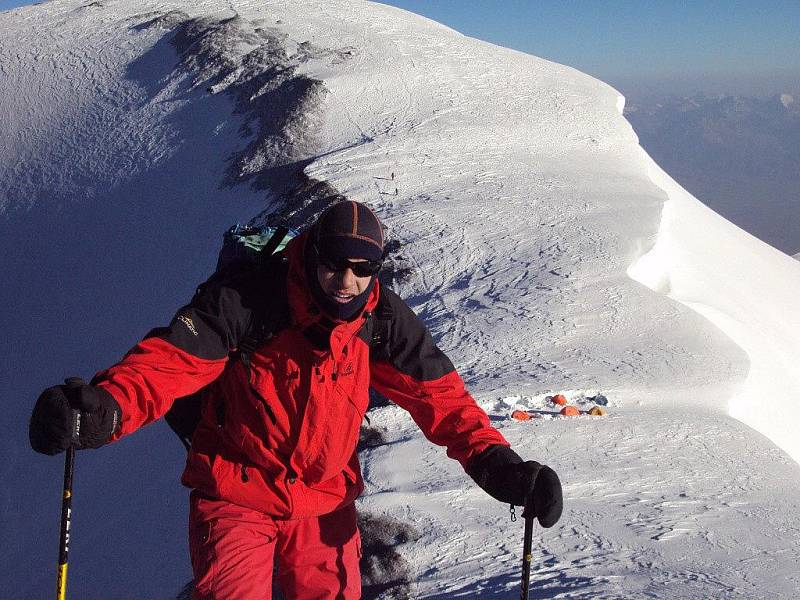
(522, 200)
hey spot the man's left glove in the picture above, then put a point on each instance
(506, 477)
(52, 426)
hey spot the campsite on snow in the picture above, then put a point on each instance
(543, 248)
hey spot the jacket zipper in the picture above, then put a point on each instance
(264, 403)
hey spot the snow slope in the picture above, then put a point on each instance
(529, 219)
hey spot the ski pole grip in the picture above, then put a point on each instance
(73, 383)
(529, 511)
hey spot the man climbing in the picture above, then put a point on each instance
(272, 465)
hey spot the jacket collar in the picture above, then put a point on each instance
(305, 312)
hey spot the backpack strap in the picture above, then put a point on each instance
(274, 314)
(280, 233)
(185, 413)
(380, 327)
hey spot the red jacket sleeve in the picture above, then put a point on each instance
(175, 361)
(150, 377)
(411, 371)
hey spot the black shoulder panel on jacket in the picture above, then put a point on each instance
(410, 348)
(220, 315)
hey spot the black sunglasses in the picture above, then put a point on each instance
(360, 269)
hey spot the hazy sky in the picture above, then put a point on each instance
(714, 46)
(748, 47)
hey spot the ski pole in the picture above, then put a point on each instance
(66, 500)
(66, 517)
(527, 544)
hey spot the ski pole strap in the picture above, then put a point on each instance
(526, 557)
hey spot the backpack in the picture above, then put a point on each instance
(247, 248)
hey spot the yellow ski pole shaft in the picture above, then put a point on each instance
(66, 500)
(529, 514)
(526, 558)
(66, 519)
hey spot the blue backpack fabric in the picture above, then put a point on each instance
(244, 245)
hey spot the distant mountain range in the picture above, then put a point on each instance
(738, 155)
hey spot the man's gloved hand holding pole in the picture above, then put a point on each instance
(506, 477)
(52, 426)
(71, 417)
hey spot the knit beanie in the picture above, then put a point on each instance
(349, 229)
(345, 230)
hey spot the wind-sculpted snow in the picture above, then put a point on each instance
(659, 503)
(258, 66)
(520, 221)
(280, 108)
(517, 199)
(733, 289)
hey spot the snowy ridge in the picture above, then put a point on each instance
(565, 176)
(731, 288)
(521, 200)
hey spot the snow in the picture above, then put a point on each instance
(547, 252)
(687, 265)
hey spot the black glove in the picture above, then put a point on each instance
(53, 428)
(506, 477)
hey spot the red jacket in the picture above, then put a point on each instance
(285, 441)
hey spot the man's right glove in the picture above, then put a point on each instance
(503, 475)
(53, 429)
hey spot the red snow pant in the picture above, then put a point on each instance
(233, 550)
